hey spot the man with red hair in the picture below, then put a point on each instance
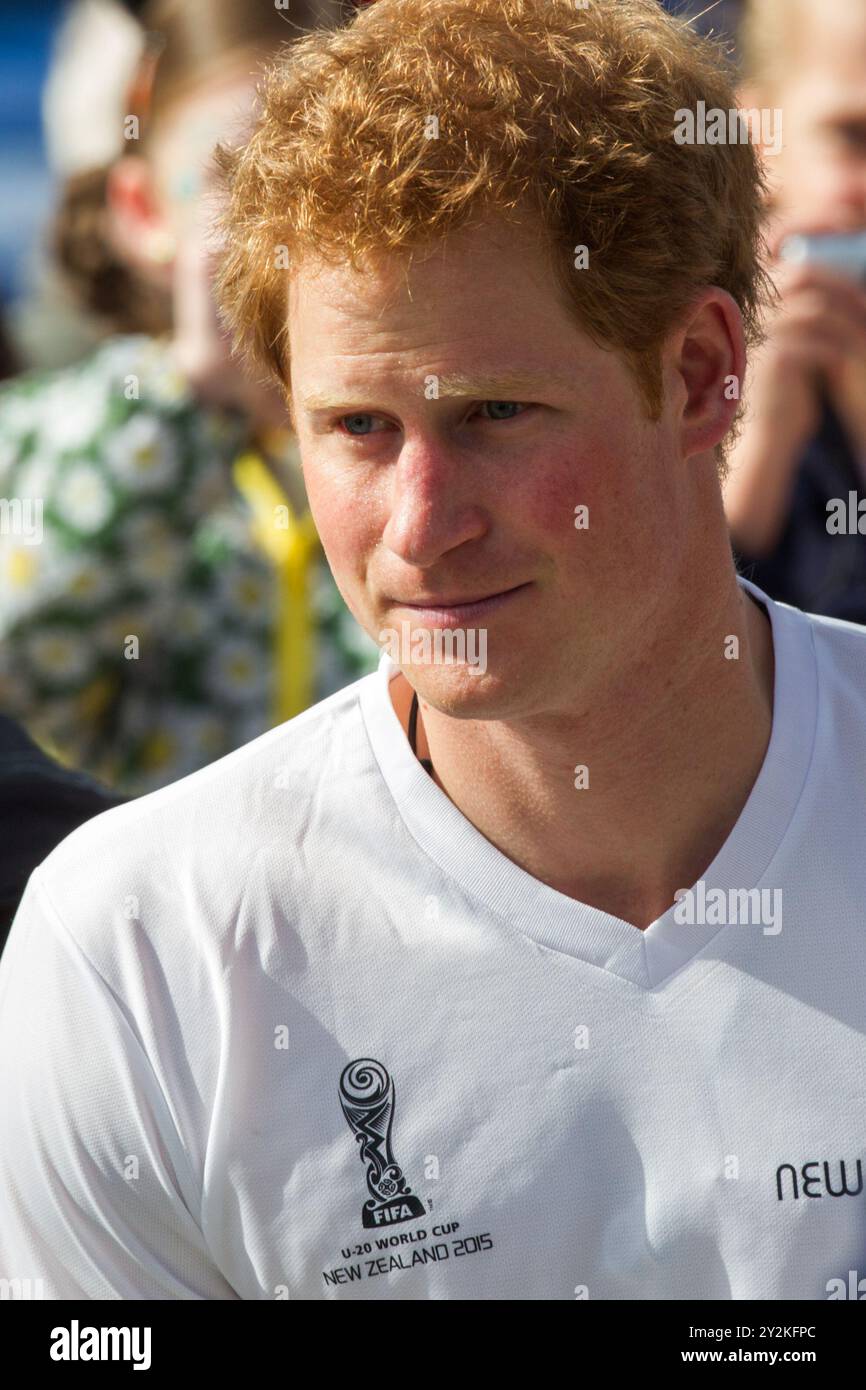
(479, 979)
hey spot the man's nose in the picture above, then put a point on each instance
(434, 506)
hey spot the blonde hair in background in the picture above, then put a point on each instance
(183, 44)
(768, 35)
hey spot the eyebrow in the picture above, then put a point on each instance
(493, 386)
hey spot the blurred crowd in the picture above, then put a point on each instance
(166, 600)
(163, 595)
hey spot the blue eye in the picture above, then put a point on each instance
(345, 419)
(360, 423)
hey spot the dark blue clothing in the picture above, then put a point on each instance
(41, 803)
(812, 568)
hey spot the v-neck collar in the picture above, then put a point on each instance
(646, 957)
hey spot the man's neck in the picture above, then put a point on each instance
(669, 769)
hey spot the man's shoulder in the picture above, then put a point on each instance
(832, 635)
(838, 648)
(837, 641)
(202, 833)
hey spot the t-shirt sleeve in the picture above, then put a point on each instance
(97, 1197)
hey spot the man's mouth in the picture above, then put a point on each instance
(453, 611)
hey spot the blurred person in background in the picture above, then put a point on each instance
(168, 599)
(803, 444)
(53, 323)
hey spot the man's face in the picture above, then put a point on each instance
(421, 498)
(820, 174)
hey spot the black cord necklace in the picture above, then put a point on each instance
(413, 734)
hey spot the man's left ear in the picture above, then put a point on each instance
(707, 353)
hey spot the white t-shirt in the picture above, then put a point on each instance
(292, 1027)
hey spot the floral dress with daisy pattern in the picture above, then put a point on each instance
(153, 615)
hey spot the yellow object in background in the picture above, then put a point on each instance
(290, 541)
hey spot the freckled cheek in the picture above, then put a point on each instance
(346, 525)
(553, 486)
